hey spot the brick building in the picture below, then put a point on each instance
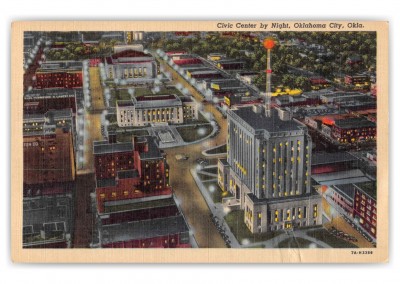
(127, 171)
(59, 74)
(135, 203)
(48, 156)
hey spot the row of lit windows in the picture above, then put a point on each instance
(125, 193)
(134, 72)
(291, 213)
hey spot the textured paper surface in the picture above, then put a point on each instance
(198, 255)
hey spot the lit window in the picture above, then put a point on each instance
(276, 216)
(315, 210)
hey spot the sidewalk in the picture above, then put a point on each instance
(216, 209)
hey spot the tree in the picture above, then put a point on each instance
(234, 53)
(57, 55)
(260, 80)
(78, 50)
(303, 83)
(257, 66)
(288, 80)
(278, 67)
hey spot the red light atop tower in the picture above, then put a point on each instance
(269, 43)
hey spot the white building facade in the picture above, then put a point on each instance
(145, 110)
(268, 172)
(133, 66)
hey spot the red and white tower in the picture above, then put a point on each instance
(268, 45)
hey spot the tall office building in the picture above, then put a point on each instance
(268, 169)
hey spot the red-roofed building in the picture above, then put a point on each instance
(319, 83)
(187, 61)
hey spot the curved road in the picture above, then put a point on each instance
(191, 200)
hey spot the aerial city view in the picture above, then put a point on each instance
(178, 139)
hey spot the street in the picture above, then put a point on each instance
(191, 200)
(93, 120)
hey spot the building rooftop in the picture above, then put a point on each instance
(230, 61)
(202, 72)
(68, 65)
(342, 95)
(52, 93)
(133, 204)
(145, 229)
(49, 209)
(256, 200)
(248, 73)
(323, 158)
(105, 148)
(106, 182)
(343, 177)
(259, 121)
(48, 189)
(127, 174)
(345, 189)
(153, 152)
(354, 123)
(232, 89)
(194, 67)
(126, 103)
(157, 101)
(129, 56)
(48, 158)
(368, 187)
(129, 53)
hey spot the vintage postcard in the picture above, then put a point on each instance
(200, 142)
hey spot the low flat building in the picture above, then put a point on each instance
(360, 80)
(187, 60)
(204, 74)
(247, 76)
(328, 162)
(231, 64)
(343, 197)
(218, 84)
(330, 97)
(170, 232)
(48, 221)
(216, 56)
(43, 100)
